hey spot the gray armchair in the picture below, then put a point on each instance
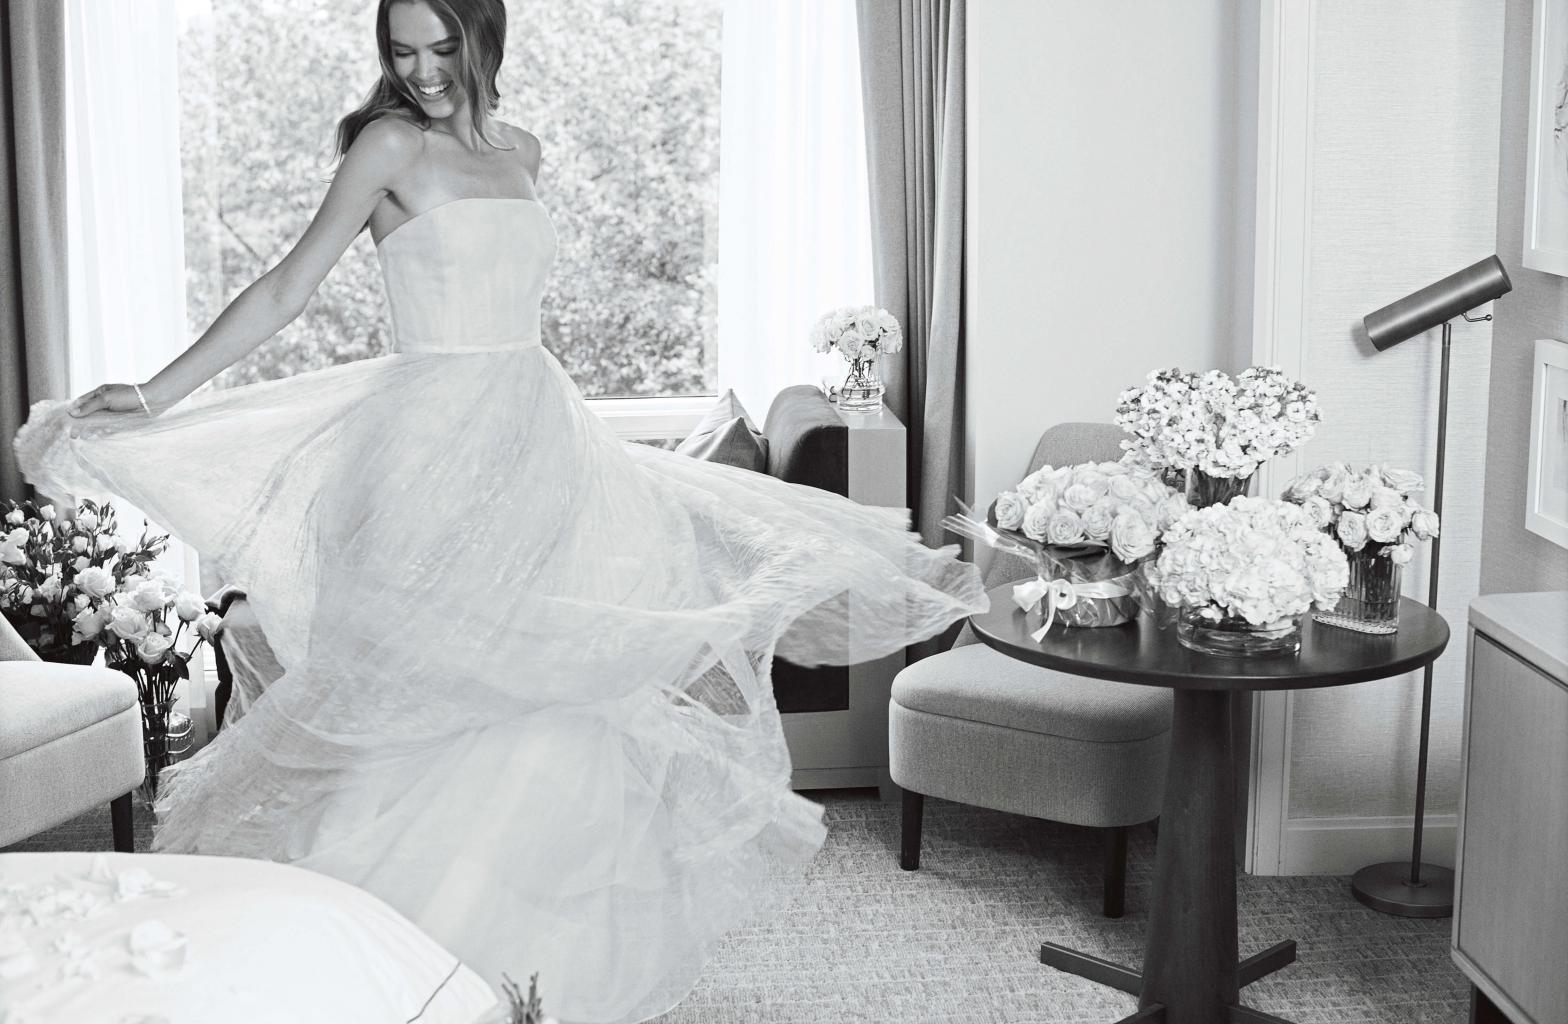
(70, 740)
(977, 727)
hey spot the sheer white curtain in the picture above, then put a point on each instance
(794, 216)
(123, 200)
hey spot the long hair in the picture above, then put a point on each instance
(481, 27)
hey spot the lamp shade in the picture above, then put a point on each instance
(1437, 303)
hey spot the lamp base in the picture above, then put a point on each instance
(1386, 888)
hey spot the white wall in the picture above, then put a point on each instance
(1104, 141)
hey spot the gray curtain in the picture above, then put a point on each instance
(33, 311)
(912, 80)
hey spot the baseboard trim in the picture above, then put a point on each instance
(1342, 846)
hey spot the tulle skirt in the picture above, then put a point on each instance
(525, 694)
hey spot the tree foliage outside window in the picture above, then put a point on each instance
(624, 97)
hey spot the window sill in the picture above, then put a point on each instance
(650, 418)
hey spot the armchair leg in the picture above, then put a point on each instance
(123, 817)
(1115, 870)
(914, 806)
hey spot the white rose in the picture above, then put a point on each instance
(1358, 492)
(188, 606)
(148, 596)
(1039, 486)
(15, 517)
(850, 344)
(87, 624)
(50, 587)
(1010, 509)
(95, 581)
(153, 647)
(208, 625)
(47, 513)
(128, 623)
(1386, 497)
(1131, 537)
(18, 536)
(1171, 508)
(1124, 487)
(1302, 488)
(87, 520)
(121, 544)
(1384, 525)
(1400, 554)
(1065, 528)
(1037, 520)
(1423, 523)
(80, 544)
(1079, 497)
(1334, 483)
(81, 562)
(1401, 480)
(1353, 530)
(1097, 522)
(819, 339)
(866, 326)
(1318, 510)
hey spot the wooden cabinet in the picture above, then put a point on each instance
(1510, 932)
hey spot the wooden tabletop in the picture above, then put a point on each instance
(1140, 652)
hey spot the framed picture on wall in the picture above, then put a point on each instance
(1546, 493)
(1546, 185)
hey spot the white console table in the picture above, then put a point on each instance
(1510, 934)
(848, 748)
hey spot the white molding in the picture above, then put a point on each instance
(1342, 846)
(1282, 263)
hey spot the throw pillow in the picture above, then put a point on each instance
(726, 434)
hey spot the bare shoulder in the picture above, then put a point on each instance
(528, 147)
(390, 139)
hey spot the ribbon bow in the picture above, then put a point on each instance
(1061, 594)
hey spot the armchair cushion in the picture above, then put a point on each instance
(45, 701)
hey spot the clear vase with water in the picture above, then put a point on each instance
(1370, 603)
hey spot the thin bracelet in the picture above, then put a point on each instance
(142, 400)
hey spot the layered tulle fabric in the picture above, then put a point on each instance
(525, 694)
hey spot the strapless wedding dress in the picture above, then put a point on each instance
(526, 694)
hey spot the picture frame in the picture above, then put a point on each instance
(1546, 490)
(1546, 184)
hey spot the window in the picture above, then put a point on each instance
(624, 95)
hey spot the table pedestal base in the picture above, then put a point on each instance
(1191, 971)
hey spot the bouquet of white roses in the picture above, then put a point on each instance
(1368, 510)
(56, 574)
(857, 332)
(1258, 560)
(1087, 529)
(1216, 424)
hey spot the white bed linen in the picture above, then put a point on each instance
(143, 938)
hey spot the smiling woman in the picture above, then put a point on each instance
(632, 184)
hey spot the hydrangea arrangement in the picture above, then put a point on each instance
(1367, 510)
(857, 332)
(1216, 424)
(1259, 560)
(1122, 506)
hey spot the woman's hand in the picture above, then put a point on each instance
(108, 398)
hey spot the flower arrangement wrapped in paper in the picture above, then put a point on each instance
(1087, 529)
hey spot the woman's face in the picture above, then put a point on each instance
(425, 55)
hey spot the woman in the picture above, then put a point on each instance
(526, 690)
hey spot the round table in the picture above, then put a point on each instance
(1191, 972)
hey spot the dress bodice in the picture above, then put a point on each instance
(468, 275)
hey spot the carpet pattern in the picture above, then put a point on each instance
(958, 941)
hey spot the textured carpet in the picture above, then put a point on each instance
(958, 941)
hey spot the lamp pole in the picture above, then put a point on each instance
(1416, 889)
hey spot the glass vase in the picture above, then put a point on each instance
(1370, 603)
(1232, 636)
(863, 388)
(1204, 490)
(166, 739)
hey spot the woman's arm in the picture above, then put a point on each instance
(380, 154)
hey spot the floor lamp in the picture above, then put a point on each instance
(1417, 889)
